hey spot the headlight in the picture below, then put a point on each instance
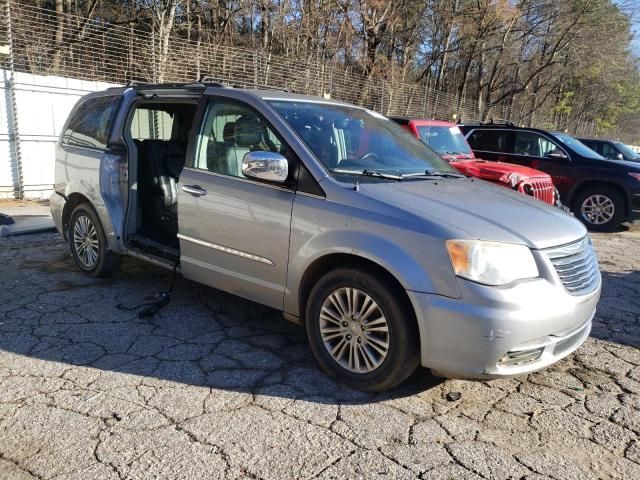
(491, 263)
(635, 175)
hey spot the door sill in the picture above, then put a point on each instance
(147, 246)
(154, 259)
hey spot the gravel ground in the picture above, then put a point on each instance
(218, 387)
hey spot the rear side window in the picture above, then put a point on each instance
(91, 122)
(151, 124)
(489, 140)
(527, 143)
(595, 146)
(532, 144)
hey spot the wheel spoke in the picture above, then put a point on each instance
(369, 359)
(327, 336)
(378, 345)
(368, 308)
(382, 328)
(330, 316)
(375, 323)
(348, 294)
(337, 303)
(352, 355)
(338, 349)
(344, 309)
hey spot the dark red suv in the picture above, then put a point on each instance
(448, 141)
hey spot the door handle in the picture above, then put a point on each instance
(194, 190)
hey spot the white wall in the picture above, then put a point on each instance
(43, 105)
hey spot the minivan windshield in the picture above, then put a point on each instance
(577, 146)
(444, 140)
(356, 141)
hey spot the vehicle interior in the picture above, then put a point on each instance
(159, 135)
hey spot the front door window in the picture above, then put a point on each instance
(231, 130)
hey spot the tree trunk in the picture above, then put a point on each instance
(57, 54)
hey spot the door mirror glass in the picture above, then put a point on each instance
(557, 153)
(267, 166)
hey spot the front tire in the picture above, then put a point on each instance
(89, 243)
(601, 209)
(361, 331)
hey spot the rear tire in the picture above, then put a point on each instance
(601, 209)
(360, 330)
(88, 243)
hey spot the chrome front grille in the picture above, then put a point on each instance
(576, 265)
(539, 188)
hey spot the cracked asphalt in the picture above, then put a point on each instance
(218, 387)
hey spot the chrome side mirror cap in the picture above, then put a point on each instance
(557, 153)
(267, 166)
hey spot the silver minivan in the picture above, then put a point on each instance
(334, 215)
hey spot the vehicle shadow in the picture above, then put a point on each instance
(204, 337)
(617, 318)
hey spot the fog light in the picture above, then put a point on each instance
(521, 356)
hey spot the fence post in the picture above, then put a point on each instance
(12, 113)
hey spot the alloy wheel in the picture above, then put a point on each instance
(598, 209)
(354, 330)
(85, 241)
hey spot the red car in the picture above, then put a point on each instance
(449, 142)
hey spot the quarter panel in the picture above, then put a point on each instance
(83, 171)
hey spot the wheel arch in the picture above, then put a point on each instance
(323, 265)
(586, 184)
(73, 200)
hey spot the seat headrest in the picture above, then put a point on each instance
(229, 132)
(248, 131)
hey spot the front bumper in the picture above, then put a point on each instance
(492, 332)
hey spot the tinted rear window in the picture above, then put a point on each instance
(489, 140)
(91, 121)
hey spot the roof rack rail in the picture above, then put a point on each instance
(505, 123)
(140, 85)
(212, 81)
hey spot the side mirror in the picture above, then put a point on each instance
(619, 156)
(557, 154)
(268, 166)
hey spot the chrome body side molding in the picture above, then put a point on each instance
(229, 250)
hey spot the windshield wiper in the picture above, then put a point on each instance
(369, 173)
(433, 173)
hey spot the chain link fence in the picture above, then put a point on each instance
(38, 41)
(90, 49)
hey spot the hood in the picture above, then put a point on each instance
(481, 210)
(497, 171)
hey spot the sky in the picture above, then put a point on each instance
(633, 7)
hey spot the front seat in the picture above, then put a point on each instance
(248, 136)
